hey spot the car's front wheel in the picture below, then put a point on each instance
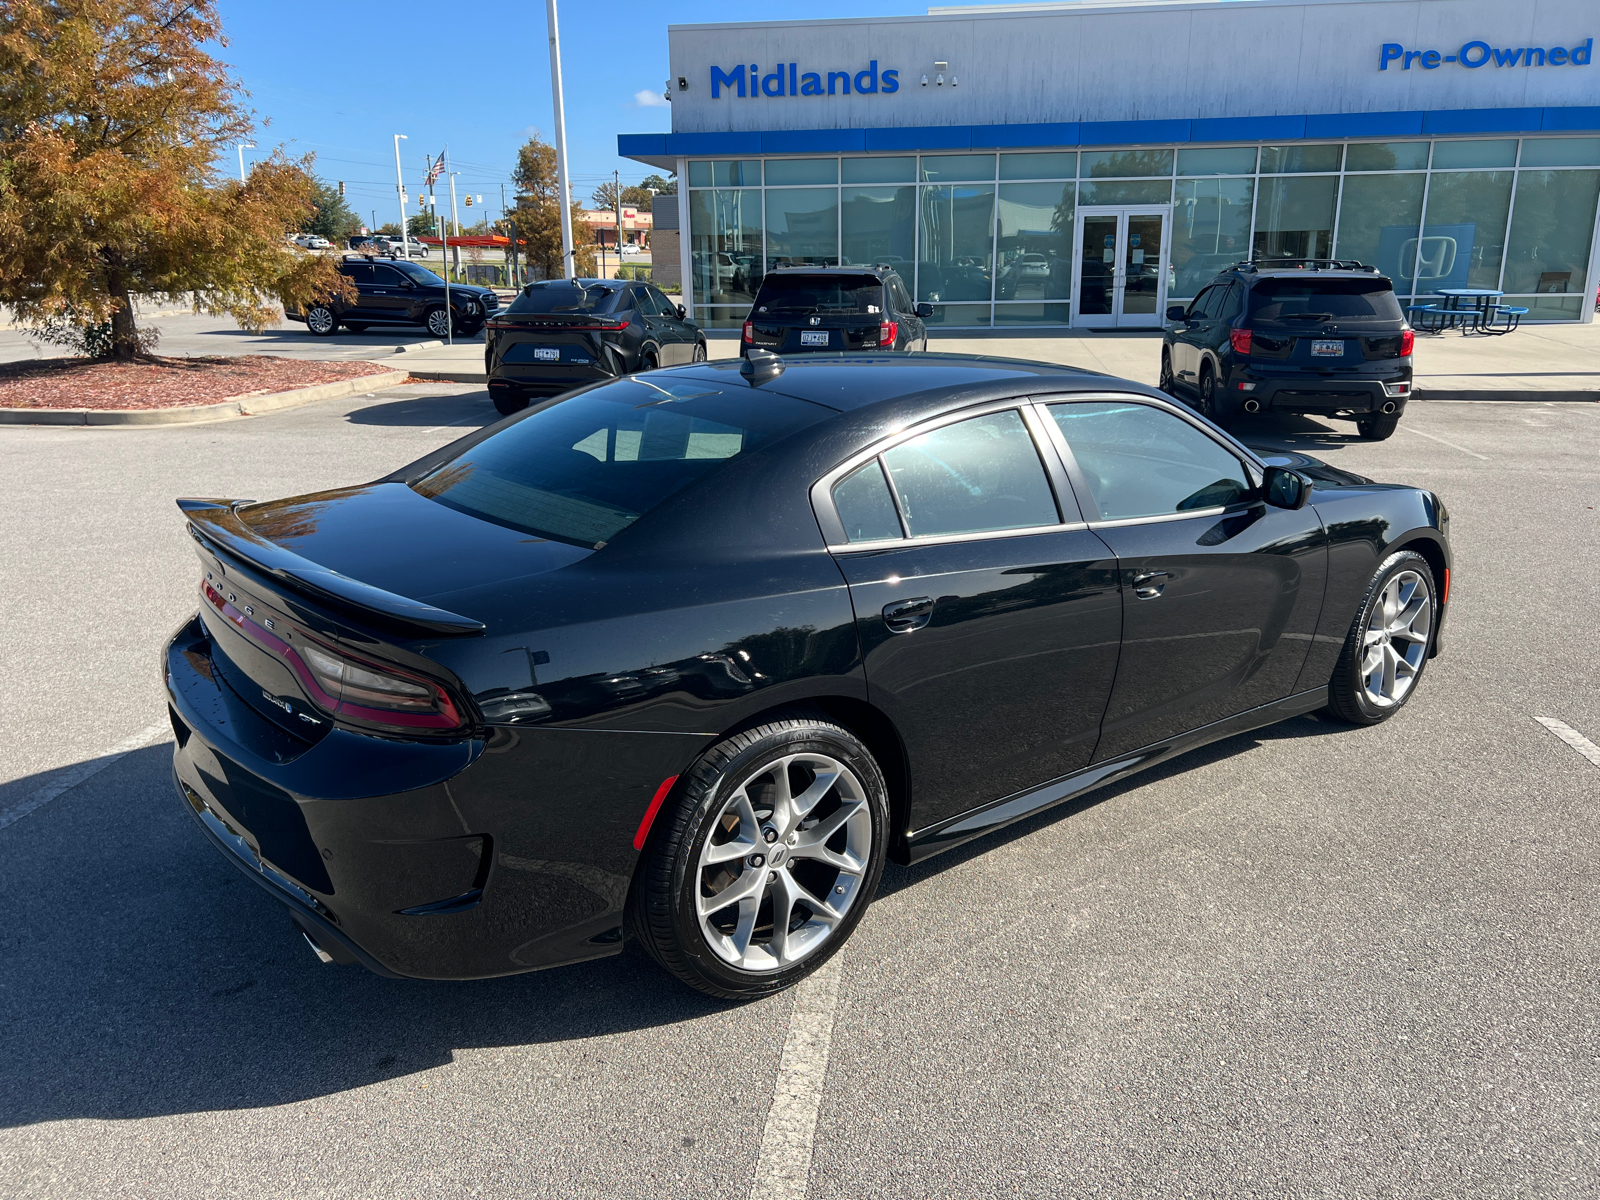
(438, 323)
(321, 320)
(1387, 648)
(699, 352)
(771, 850)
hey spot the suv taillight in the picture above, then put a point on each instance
(1239, 339)
(887, 332)
(749, 331)
(1408, 339)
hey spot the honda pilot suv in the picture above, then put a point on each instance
(1322, 337)
(834, 308)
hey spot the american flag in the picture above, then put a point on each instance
(435, 169)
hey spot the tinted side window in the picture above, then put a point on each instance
(667, 307)
(359, 273)
(977, 475)
(902, 298)
(865, 507)
(1197, 306)
(1142, 462)
(385, 276)
(1231, 304)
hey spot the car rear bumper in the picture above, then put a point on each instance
(1354, 393)
(501, 852)
(526, 379)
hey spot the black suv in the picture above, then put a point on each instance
(394, 291)
(1323, 337)
(559, 334)
(834, 308)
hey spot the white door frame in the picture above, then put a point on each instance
(1117, 319)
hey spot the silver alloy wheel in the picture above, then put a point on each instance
(1396, 639)
(785, 860)
(320, 320)
(438, 323)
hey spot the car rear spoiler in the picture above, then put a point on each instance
(217, 522)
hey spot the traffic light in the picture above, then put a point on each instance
(469, 199)
(341, 187)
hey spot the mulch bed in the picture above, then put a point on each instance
(163, 382)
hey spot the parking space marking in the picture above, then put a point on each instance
(73, 776)
(1572, 737)
(784, 1166)
(452, 424)
(1444, 442)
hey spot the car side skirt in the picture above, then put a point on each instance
(925, 843)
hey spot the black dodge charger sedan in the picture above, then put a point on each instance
(684, 658)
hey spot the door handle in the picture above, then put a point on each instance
(1147, 585)
(906, 616)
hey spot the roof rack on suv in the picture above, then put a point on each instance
(1304, 264)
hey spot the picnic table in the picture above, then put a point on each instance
(1471, 310)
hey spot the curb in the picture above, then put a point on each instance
(1520, 397)
(240, 406)
(451, 376)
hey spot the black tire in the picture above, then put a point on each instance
(649, 361)
(469, 329)
(663, 914)
(700, 352)
(1167, 383)
(322, 320)
(356, 326)
(434, 321)
(1379, 427)
(1206, 405)
(1348, 696)
(505, 405)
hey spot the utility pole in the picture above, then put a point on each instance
(616, 199)
(400, 189)
(563, 196)
(243, 146)
(512, 278)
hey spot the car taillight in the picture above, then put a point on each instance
(1239, 339)
(749, 331)
(887, 332)
(346, 686)
(1408, 339)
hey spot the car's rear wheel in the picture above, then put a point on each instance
(437, 322)
(321, 321)
(1166, 383)
(762, 867)
(505, 405)
(1387, 648)
(1378, 427)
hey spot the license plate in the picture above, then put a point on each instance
(809, 337)
(546, 354)
(1333, 349)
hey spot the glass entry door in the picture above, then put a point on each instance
(1121, 277)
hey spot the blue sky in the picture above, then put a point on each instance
(342, 80)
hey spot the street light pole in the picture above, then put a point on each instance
(454, 220)
(400, 190)
(243, 146)
(563, 196)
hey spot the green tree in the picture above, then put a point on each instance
(666, 187)
(539, 219)
(332, 217)
(115, 129)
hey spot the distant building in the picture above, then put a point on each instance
(635, 226)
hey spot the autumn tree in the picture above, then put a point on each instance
(539, 219)
(116, 128)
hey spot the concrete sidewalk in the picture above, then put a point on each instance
(1538, 362)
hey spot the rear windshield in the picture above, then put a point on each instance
(584, 469)
(856, 294)
(563, 297)
(1323, 299)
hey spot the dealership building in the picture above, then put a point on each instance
(1086, 163)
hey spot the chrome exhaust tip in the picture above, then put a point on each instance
(316, 949)
(1389, 407)
(1251, 406)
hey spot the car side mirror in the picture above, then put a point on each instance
(1286, 489)
(1177, 312)
(683, 313)
(924, 311)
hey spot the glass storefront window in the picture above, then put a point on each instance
(1501, 152)
(1294, 216)
(1378, 222)
(726, 263)
(1121, 164)
(1463, 237)
(880, 226)
(802, 227)
(956, 255)
(796, 172)
(946, 168)
(880, 170)
(744, 172)
(1126, 191)
(1218, 160)
(1551, 227)
(1033, 314)
(1038, 166)
(959, 315)
(1297, 160)
(1387, 156)
(1561, 152)
(1210, 230)
(1034, 260)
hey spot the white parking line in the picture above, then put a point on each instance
(452, 424)
(1572, 737)
(72, 777)
(785, 1162)
(1444, 442)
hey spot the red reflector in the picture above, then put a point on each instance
(1239, 339)
(1408, 339)
(887, 332)
(749, 331)
(1444, 597)
(650, 813)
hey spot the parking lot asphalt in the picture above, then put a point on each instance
(1309, 961)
